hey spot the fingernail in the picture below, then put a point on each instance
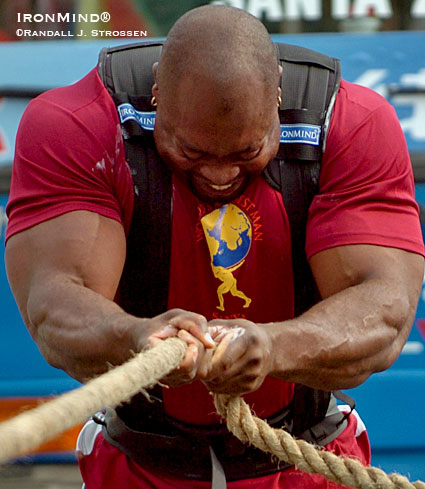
(195, 354)
(209, 338)
(237, 332)
(168, 327)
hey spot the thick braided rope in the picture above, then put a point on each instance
(306, 457)
(30, 429)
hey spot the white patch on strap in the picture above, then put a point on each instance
(87, 437)
(146, 120)
(361, 427)
(300, 133)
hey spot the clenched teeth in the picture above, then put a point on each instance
(220, 187)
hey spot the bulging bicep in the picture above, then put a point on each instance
(78, 247)
(339, 268)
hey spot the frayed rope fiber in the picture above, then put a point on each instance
(304, 455)
(28, 430)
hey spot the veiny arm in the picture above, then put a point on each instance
(370, 297)
(64, 274)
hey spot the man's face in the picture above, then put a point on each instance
(216, 143)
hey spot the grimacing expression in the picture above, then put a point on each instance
(217, 144)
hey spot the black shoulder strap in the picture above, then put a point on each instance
(128, 68)
(309, 85)
(127, 74)
(144, 282)
(310, 82)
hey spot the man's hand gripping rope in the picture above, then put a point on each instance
(28, 430)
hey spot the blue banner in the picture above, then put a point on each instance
(391, 63)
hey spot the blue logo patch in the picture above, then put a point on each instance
(300, 133)
(146, 120)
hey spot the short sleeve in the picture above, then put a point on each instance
(366, 184)
(67, 157)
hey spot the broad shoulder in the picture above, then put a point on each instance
(84, 105)
(355, 104)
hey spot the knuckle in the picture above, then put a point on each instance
(175, 312)
(216, 322)
(254, 362)
(186, 371)
(226, 362)
(252, 340)
(201, 318)
(250, 382)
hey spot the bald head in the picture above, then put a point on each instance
(217, 87)
(221, 47)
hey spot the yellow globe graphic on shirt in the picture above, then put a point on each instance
(228, 232)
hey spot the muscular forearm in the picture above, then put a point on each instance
(79, 330)
(83, 332)
(345, 338)
(64, 274)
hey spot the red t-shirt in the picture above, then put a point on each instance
(234, 261)
(70, 156)
(230, 262)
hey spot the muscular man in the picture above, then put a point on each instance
(217, 127)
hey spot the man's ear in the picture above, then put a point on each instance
(280, 74)
(155, 77)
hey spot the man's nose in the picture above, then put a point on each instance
(220, 174)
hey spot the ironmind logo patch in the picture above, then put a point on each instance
(300, 133)
(127, 112)
(289, 133)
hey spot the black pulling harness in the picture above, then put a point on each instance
(141, 429)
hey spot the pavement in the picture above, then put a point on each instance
(40, 476)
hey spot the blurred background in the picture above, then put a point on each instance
(50, 43)
(280, 16)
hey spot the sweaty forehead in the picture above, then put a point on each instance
(199, 106)
(209, 131)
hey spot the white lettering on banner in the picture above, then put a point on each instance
(414, 79)
(271, 9)
(277, 10)
(413, 348)
(230, 3)
(308, 9)
(414, 125)
(340, 9)
(371, 79)
(418, 8)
